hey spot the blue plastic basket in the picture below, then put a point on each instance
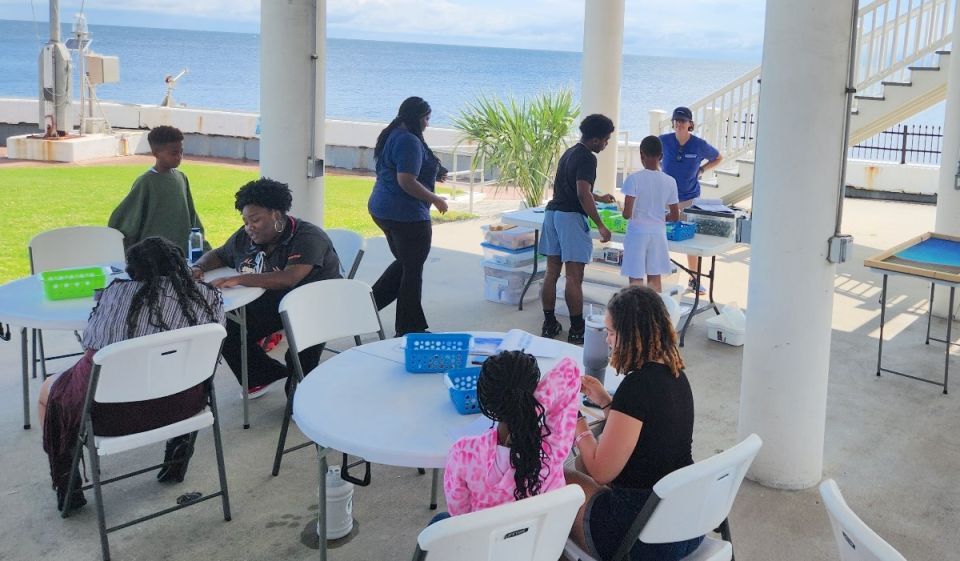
(679, 231)
(462, 385)
(436, 352)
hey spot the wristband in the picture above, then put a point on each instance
(576, 441)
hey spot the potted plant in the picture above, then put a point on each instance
(521, 140)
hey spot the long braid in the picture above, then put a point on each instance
(644, 331)
(411, 111)
(505, 392)
(151, 261)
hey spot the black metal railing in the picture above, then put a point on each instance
(913, 144)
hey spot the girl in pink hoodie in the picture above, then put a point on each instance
(523, 453)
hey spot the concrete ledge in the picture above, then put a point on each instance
(77, 149)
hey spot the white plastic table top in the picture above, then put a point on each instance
(22, 303)
(698, 245)
(364, 402)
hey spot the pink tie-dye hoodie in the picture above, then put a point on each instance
(473, 478)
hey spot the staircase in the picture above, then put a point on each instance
(901, 70)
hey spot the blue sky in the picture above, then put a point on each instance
(696, 28)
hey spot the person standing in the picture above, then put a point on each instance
(685, 158)
(407, 171)
(565, 239)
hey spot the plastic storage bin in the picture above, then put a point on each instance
(499, 290)
(64, 284)
(462, 386)
(679, 231)
(510, 257)
(436, 352)
(612, 219)
(718, 330)
(512, 238)
(722, 224)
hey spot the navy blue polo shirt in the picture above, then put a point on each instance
(683, 162)
(402, 153)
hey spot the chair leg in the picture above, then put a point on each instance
(98, 496)
(724, 530)
(33, 351)
(221, 466)
(282, 441)
(434, 483)
(357, 341)
(43, 355)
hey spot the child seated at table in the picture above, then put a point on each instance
(649, 192)
(523, 452)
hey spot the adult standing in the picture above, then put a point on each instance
(565, 238)
(685, 158)
(277, 252)
(407, 171)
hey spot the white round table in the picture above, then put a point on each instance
(22, 303)
(363, 402)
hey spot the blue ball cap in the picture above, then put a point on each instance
(682, 114)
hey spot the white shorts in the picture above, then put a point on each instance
(645, 255)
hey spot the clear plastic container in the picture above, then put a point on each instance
(512, 238)
(712, 223)
(510, 257)
(501, 291)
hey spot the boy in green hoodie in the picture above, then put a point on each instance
(159, 202)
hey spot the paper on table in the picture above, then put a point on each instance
(475, 427)
(711, 205)
(485, 346)
(520, 340)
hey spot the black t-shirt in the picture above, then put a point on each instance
(577, 163)
(302, 243)
(665, 405)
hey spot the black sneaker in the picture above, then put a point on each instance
(575, 336)
(551, 328)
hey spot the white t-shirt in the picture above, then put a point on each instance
(653, 190)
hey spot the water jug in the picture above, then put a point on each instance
(595, 351)
(339, 505)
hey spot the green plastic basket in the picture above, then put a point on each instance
(64, 284)
(612, 219)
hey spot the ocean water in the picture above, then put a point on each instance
(366, 80)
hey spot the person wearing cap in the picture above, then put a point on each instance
(685, 158)
(565, 238)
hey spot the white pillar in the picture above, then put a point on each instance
(292, 109)
(948, 194)
(786, 354)
(600, 84)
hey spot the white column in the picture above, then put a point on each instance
(292, 109)
(600, 84)
(948, 196)
(786, 354)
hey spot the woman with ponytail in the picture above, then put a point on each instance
(407, 171)
(648, 431)
(522, 455)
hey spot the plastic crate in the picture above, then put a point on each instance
(509, 257)
(462, 386)
(612, 219)
(436, 352)
(722, 224)
(511, 238)
(64, 284)
(679, 231)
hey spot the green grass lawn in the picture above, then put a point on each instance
(36, 199)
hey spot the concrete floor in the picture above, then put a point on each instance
(892, 444)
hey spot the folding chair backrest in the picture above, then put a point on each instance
(855, 540)
(696, 499)
(534, 529)
(350, 247)
(157, 365)
(319, 312)
(78, 246)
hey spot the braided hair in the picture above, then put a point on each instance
(505, 393)
(411, 111)
(644, 331)
(149, 262)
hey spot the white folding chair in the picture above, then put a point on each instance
(315, 314)
(65, 248)
(533, 529)
(687, 503)
(144, 368)
(350, 247)
(855, 540)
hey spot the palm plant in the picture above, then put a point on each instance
(522, 140)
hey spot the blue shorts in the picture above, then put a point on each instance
(567, 235)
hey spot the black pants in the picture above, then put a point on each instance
(263, 319)
(403, 280)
